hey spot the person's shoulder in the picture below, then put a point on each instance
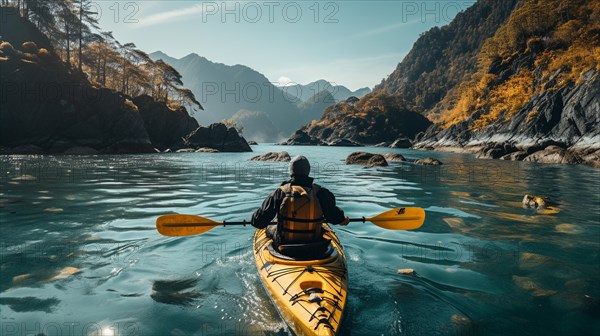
(322, 189)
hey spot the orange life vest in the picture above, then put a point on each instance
(300, 215)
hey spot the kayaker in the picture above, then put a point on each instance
(301, 207)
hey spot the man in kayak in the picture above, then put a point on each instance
(301, 206)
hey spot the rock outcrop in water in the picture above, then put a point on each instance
(166, 126)
(373, 119)
(219, 137)
(273, 157)
(366, 159)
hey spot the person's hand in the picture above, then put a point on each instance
(345, 222)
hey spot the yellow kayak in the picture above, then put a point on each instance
(310, 295)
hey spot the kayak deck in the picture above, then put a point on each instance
(309, 295)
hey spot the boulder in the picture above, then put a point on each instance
(495, 150)
(185, 150)
(273, 156)
(515, 156)
(401, 143)
(394, 157)
(166, 126)
(219, 137)
(428, 162)
(554, 154)
(343, 143)
(366, 159)
(81, 150)
(301, 138)
(206, 150)
(27, 149)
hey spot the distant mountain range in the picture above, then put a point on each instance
(338, 92)
(266, 112)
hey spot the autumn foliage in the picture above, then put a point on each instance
(544, 45)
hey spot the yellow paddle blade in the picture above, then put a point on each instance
(184, 225)
(400, 219)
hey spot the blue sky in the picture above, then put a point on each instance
(352, 43)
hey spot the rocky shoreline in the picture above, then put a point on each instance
(212, 139)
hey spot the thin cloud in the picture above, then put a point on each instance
(384, 29)
(163, 17)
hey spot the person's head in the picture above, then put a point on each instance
(299, 166)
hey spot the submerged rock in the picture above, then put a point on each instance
(273, 156)
(366, 159)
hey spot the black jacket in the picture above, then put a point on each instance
(270, 207)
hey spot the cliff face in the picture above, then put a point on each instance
(536, 84)
(569, 115)
(166, 126)
(46, 107)
(375, 118)
(443, 57)
(504, 79)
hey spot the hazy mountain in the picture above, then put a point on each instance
(338, 92)
(314, 106)
(225, 90)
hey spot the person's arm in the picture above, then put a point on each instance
(332, 213)
(265, 214)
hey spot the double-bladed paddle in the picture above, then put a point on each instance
(188, 225)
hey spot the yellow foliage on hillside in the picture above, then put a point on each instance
(563, 38)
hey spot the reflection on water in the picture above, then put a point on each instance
(79, 253)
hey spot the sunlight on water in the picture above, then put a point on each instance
(80, 255)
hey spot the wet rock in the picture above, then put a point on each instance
(516, 156)
(568, 228)
(252, 143)
(531, 286)
(401, 143)
(495, 151)
(301, 138)
(554, 154)
(366, 159)
(273, 156)
(393, 157)
(529, 260)
(165, 126)
(81, 150)
(185, 150)
(429, 162)
(206, 150)
(27, 149)
(343, 143)
(217, 136)
(533, 202)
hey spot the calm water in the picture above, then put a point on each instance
(79, 254)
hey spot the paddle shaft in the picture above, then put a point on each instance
(244, 223)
